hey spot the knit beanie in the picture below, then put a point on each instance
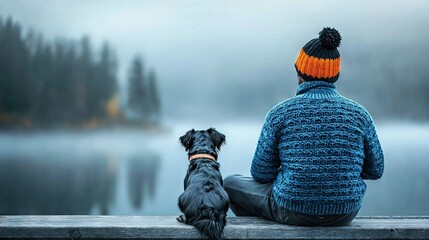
(319, 59)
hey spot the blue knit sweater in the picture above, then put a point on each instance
(317, 148)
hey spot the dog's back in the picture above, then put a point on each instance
(204, 201)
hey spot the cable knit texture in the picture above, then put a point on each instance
(317, 148)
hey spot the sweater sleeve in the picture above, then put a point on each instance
(266, 162)
(373, 165)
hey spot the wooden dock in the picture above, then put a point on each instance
(166, 227)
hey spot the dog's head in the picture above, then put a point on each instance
(202, 141)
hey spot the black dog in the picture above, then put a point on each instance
(204, 202)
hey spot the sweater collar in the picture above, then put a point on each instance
(316, 87)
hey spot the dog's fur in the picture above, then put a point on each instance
(204, 202)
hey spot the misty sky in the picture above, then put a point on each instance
(212, 49)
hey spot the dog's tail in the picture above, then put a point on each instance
(212, 223)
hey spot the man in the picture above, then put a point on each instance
(314, 150)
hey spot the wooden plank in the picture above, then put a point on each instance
(166, 227)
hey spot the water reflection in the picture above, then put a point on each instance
(142, 172)
(56, 185)
(72, 184)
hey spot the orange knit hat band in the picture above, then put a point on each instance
(317, 68)
(319, 59)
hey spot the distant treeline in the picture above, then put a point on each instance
(63, 82)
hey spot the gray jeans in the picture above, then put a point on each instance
(250, 198)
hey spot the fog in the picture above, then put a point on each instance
(77, 144)
(204, 52)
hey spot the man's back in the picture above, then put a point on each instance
(326, 145)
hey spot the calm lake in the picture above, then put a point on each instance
(128, 172)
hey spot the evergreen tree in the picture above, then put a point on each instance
(86, 86)
(153, 99)
(15, 84)
(136, 89)
(143, 97)
(106, 78)
(42, 69)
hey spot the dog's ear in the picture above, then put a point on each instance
(217, 137)
(186, 140)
